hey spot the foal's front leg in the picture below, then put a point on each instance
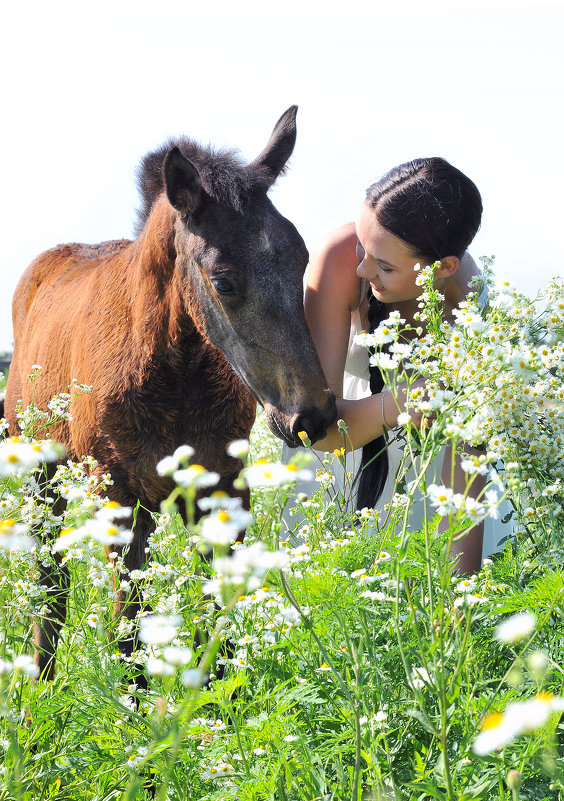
(54, 576)
(47, 628)
(128, 602)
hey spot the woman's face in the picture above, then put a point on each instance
(387, 261)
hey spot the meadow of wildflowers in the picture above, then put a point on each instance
(331, 655)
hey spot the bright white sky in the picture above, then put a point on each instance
(86, 94)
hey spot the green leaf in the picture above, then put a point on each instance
(423, 720)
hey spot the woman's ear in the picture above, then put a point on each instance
(449, 265)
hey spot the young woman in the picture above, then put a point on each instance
(420, 212)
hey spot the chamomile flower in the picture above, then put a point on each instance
(196, 476)
(223, 527)
(520, 717)
(445, 500)
(168, 465)
(157, 629)
(515, 628)
(274, 474)
(15, 536)
(100, 529)
(238, 448)
(18, 454)
(24, 664)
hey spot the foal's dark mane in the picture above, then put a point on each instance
(225, 177)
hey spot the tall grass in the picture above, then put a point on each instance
(333, 655)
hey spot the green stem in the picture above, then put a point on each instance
(309, 626)
(355, 795)
(233, 719)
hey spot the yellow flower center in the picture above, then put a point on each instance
(492, 721)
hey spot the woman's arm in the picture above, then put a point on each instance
(366, 419)
(332, 292)
(468, 549)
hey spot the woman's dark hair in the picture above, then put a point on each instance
(436, 210)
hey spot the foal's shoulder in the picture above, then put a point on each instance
(60, 264)
(73, 254)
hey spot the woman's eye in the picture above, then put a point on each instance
(384, 268)
(223, 286)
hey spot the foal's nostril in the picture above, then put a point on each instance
(313, 422)
(305, 424)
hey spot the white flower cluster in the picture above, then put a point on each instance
(495, 380)
(101, 528)
(19, 454)
(310, 541)
(32, 420)
(266, 616)
(387, 584)
(244, 568)
(15, 536)
(222, 527)
(189, 476)
(164, 653)
(449, 503)
(386, 334)
(274, 474)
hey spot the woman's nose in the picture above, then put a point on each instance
(361, 269)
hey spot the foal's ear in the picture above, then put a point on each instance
(280, 146)
(182, 182)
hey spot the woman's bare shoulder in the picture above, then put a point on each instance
(342, 241)
(332, 269)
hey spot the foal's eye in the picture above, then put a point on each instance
(223, 286)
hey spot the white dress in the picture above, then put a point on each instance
(356, 385)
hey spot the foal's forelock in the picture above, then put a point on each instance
(225, 177)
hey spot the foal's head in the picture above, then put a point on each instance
(241, 266)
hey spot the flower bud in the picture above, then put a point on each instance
(514, 779)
